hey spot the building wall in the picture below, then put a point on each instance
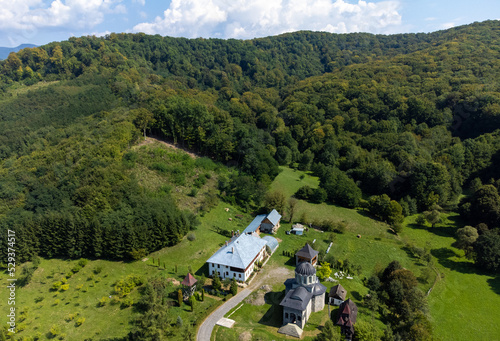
(335, 301)
(318, 302)
(225, 271)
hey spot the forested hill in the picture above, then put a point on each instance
(212, 63)
(410, 120)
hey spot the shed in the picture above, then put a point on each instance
(337, 295)
(299, 231)
(271, 242)
(271, 222)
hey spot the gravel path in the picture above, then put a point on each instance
(270, 274)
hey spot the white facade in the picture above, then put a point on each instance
(242, 275)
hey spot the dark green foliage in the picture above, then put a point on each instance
(233, 288)
(487, 249)
(304, 193)
(216, 282)
(405, 306)
(329, 332)
(340, 189)
(385, 209)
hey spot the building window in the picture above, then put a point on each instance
(239, 275)
(227, 273)
(218, 266)
(286, 315)
(298, 318)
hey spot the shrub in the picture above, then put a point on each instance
(191, 237)
(76, 268)
(82, 262)
(103, 301)
(80, 321)
(138, 254)
(56, 302)
(71, 317)
(65, 287)
(124, 286)
(64, 280)
(56, 285)
(54, 330)
(127, 302)
(69, 274)
(98, 269)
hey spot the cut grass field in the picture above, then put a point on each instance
(460, 294)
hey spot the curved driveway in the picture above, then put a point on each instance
(208, 325)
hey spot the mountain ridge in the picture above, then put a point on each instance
(5, 51)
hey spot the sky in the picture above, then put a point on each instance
(42, 21)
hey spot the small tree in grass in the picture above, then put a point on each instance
(329, 332)
(54, 330)
(192, 302)
(216, 283)
(202, 294)
(179, 322)
(179, 297)
(234, 287)
(103, 301)
(324, 271)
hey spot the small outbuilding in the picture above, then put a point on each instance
(348, 313)
(337, 295)
(306, 254)
(189, 285)
(272, 243)
(271, 223)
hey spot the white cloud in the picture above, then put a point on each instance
(33, 14)
(448, 25)
(256, 18)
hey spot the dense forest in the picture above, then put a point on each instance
(397, 125)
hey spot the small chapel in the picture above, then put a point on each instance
(304, 295)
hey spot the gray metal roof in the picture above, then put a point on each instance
(254, 225)
(307, 252)
(305, 269)
(271, 242)
(274, 217)
(297, 299)
(240, 252)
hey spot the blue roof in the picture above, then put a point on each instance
(254, 225)
(274, 217)
(271, 242)
(240, 252)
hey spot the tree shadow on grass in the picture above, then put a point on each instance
(444, 256)
(357, 296)
(274, 315)
(494, 284)
(290, 261)
(441, 231)
(202, 270)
